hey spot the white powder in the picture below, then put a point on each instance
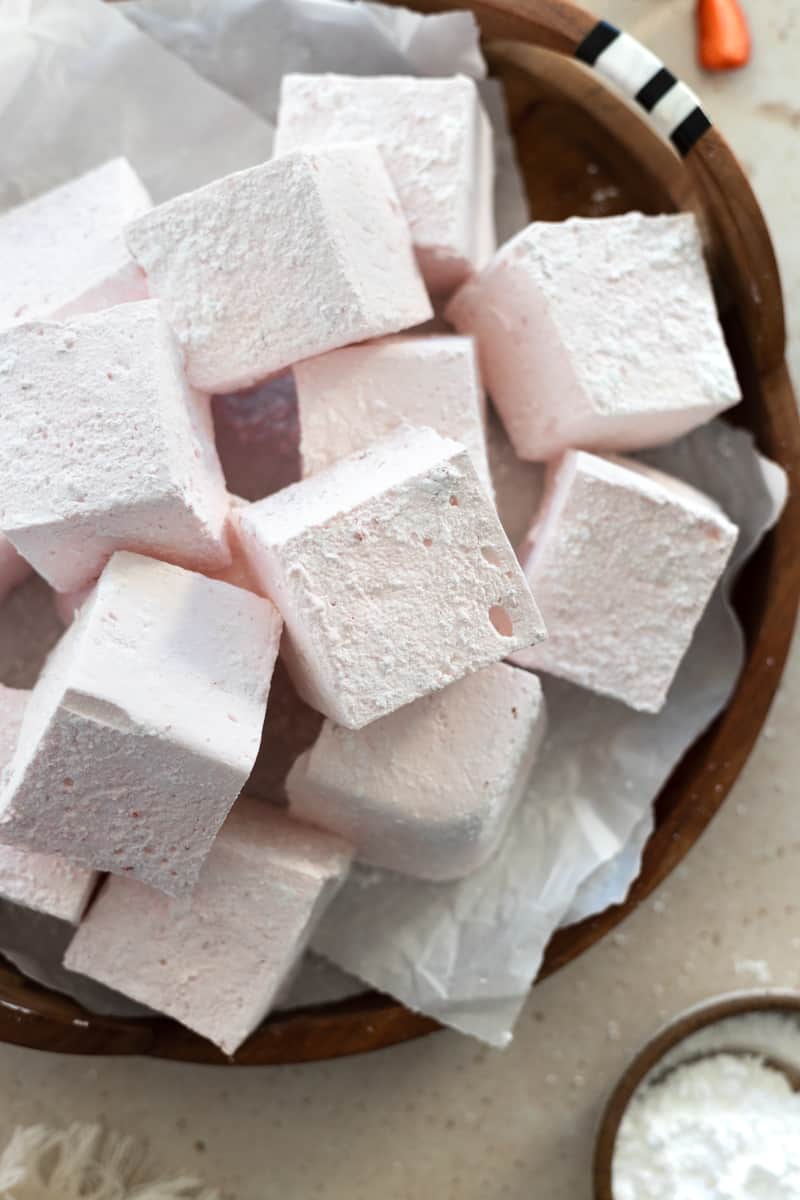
(726, 1127)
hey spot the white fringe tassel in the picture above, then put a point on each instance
(84, 1162)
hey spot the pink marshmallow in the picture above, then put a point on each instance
(217, 960)
(237, 573)
(144, 724)
(393, 575)
(354, 396)
(436, 141)
(14, 570)
(103, 446)
(40, 882)
(63, 252)
(279, 262)
(599, 334)
(624, 560)
(429, 790)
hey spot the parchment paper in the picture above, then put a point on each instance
(187, 90)
(79, 84)
(245, 46)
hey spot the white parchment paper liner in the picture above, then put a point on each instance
(187, 90)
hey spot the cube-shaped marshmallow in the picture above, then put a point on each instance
(45, 883)
(354, 396)
(144, 724)
(216, 960)
(393, 576)
(624, 560)
(104, 446)
(599, 334)
(428, 790)
(42, 883)
(436, 141)
(63, 253)
(14, 570)
(281, 261)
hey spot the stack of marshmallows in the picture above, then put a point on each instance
(384, 577)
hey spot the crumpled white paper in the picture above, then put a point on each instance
(187, 89)
(245, 46)
(80, 84)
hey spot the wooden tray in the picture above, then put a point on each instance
(584, 151)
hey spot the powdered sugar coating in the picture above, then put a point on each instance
(216, 961)
(63, 252)
(40, 882)
(144, 724)
(273, 264)
(104, 446)
(354, 396)
(599, 334)
(624, 560)
(393, 575)
(428, 790)
(436, 141)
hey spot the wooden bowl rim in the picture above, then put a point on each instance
(39, 1018)
(679, 1029)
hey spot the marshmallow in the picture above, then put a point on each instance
(393, 575)
(280, 262)
(354, 396)
(103, 446)
(624, 560)
(429, 790)
(517, 484)
(144, 724)
(63, 252)
(436, 141)
(39, 882)
(215, 961)
(599, 334)
(257, 434)
(14, 570)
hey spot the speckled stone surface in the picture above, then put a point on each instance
(443, 1119)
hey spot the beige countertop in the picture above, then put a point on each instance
(444, 1117)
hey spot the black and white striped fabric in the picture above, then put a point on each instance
(642, 76)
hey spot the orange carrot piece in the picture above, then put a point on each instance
(725, 42)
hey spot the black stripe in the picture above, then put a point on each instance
(593, 45)
(689, 132)
(656, 89)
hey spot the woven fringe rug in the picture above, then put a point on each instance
(84, 1162)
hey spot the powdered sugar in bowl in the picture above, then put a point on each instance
(710, 1108)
